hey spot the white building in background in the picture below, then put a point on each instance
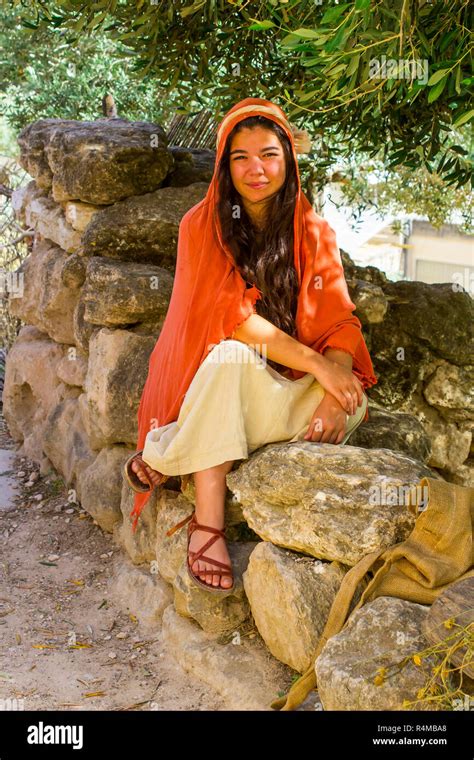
(418, 252)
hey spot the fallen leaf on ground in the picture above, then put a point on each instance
(44, 646)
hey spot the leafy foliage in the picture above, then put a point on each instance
(50, 74)
(320, 61)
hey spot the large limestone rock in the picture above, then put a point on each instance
(191, 165)
(424, 322)
(360, 275)
(31, 387)
(83, 330)
(378, 635)
(72, 368)
(290, 597)
(464, 475)
(97, 162)
(143, 228)
(395, 431)
(315, 498)
(46, 302)
(73, 272)
(118, 364)
(450, 390)
(240, 670)
(22, 197)
(423, 358)
(66, 444)
(215, 613)
(32, 141)
(450, 441)
(370, 301)
(122, 293)
(141, 592)
(79, 214)
(139, 545)
(101, 487)
(44, 215)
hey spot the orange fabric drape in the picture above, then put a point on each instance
(210, 298)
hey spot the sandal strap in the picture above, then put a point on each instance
(195, 526)
(198, 554)
(179, 525)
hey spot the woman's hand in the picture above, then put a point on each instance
(328, 423)
(340, 382)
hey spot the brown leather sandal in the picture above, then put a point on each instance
(225, 568)
(132, 478)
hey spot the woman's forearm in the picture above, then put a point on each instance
(277, 345)
(340, 357)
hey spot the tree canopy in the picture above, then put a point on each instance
(388, 77)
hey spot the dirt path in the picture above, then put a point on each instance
(64, 645)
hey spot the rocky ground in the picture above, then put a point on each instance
(64, 644)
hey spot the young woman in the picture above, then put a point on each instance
(259, 342)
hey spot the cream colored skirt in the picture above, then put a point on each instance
(236, 403)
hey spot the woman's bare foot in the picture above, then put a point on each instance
(155, 476)
(217, 551)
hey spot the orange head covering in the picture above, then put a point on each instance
(210, 298)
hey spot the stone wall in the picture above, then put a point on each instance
(105, 202)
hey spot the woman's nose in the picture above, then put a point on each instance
(255, 167)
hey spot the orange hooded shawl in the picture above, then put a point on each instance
(210, 299)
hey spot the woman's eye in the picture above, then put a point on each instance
(266, 155)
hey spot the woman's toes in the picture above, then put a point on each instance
(138, 471)
(208, 576)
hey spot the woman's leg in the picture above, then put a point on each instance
(210, 485)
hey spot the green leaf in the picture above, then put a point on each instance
(261, 25)
(463, 118)
(354, 65)
(361, 5)
(337, 40)
(458, 149)
(290, 41)
(307, 33)
(192, 8)
(332, 14)
(436, 77)
(436, 91)
(447, 39)
(457, 83)
(308, 96)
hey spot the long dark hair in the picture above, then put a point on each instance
(266, 259)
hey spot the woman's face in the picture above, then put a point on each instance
(257, 167)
